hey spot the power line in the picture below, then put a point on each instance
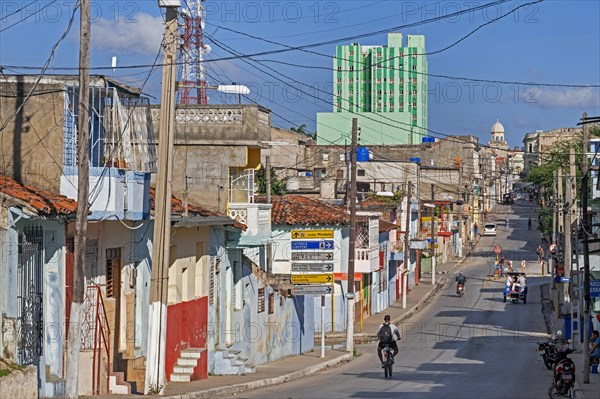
(17, 11)
(31, 15)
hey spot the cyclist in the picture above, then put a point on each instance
(386, 333)
(462, 280)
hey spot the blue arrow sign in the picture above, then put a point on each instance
(323, 244)
(595, 288)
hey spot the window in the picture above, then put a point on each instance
(351, 68)
(351, 52)
(339, 93)
(339, 105)
(260, 304)
(238, 288)
(351, 80)
(379, 92)
(391, 104)
(414, 117)
(211, 280)
(414, 67)
(360, 172)
(378, 80)
(391, 80)
(401, 81)
(271, 303)
(339, 80)
(340, 68)
(113, 272)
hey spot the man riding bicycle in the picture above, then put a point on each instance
(386, 333)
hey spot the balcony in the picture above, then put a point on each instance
(366, 260)
(257, 217)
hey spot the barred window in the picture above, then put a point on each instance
(113, 272)
(261, 300)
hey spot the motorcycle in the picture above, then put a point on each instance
(388, 361)
(460, 289)
(564, 373)
(549, 351)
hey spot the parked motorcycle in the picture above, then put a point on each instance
(564, 373)
(460, 289)
(549, 351)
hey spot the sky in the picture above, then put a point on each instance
(525, 58)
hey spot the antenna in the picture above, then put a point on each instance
(192, 82)
(114, 64)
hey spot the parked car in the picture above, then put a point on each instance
(489, 229)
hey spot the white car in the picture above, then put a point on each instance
(489, 229)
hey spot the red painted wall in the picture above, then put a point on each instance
(187, 328)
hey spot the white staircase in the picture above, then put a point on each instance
(231, 362)
(117, 384)
(186, 363)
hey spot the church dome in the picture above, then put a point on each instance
(497, 127)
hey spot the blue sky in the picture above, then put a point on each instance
(554, 41)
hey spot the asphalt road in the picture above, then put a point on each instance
(476, 346)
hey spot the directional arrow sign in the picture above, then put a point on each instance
(311, 278)
(301, 234)
(312, 289)
(323, 244)
(312, 267)
(312, 255)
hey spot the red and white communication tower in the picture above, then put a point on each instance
(192, 81)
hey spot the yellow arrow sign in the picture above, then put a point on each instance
(311, 278)
(303, 234)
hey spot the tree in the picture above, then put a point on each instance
(300, 129)
(277, 185)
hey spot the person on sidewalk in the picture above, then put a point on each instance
(475, 229)
(386, 333)
(595, 352)
(529, 224)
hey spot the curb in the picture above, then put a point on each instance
(232, 389)
(408, 314)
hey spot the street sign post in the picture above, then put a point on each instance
(311, 278)
(312, 256)
(497, 251)
(303, 234)
(312, 267)
(322, 244)
(312, 290)
(595, 288)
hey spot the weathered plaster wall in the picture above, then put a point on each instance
(32, 142)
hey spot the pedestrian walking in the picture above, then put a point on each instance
(475, 229)
(529, 224)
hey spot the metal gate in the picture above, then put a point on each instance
(30, 295)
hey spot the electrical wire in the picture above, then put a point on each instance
(31, 15)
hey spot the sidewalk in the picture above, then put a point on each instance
(294, 367)
(590, 390)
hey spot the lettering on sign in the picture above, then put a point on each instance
(311, 278)
(312, 255)
(595, 288)
(303, 234)
(312, 290)
(312, 267)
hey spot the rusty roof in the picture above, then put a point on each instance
(301, 210)
(387, 226)
(36, 200)
(178, 208)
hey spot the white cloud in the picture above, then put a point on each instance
(580, 97)
(124, 36)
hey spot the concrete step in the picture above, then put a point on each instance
(180, 377)
(117, 384)
(195, 353)
(187, 361)
(184, 369)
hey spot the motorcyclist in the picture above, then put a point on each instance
(461, 280)
(387, 334)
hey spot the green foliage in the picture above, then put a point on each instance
(545, 225)
(277, 186)
(396, 199)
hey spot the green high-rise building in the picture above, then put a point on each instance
(384, 87)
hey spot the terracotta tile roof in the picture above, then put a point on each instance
(387, 226)
(194, 210)
(300, 210)
(36, 200)
(376, 203)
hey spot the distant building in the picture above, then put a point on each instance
(384, 87)
(497, 140)
(538, 143)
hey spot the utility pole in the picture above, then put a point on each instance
(433, 235)
(571, 291)
(552, 256)
(157, 317)
(268, 192)
(560, 233)
(83, 185)
(586, 253)
(406, 246)
(352, 240)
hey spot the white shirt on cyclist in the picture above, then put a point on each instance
(392, 327)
